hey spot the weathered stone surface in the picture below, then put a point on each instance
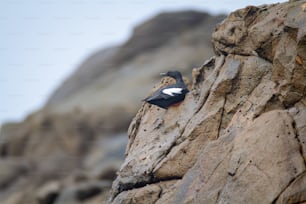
(299, 114)
(239, 136)
(296, 191)
(154, 193)
(258, 163)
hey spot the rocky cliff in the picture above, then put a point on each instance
(239, 136)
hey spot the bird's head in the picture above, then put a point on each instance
(172, 74)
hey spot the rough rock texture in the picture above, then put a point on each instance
(239, 136)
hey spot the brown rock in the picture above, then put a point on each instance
(258, 163)
(239, 135)
(105, 157)
(298, 112)
(154, 193)
(15, 198)
(11, 170)
(296, 191)
(81, 192)
(48, 193)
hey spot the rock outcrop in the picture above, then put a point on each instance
(239, 136)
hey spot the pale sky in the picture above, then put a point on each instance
(43, 41)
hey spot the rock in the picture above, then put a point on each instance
(258, 163)
(79, 193)
(11, 170)
(21, 197)
(295, 192)
(148, 194)
(144, 38)
(105, 158)
(95, 65)
(238, 137)
(15, 198)
(49, 193)
(298, 112)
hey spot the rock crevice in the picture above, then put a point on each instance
(239, 136)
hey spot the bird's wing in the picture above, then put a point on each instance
(159, 95)
(172, 91)
(165, 94)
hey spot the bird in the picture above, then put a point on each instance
(169, 95)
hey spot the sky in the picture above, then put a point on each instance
(43, 41)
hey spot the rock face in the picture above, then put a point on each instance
(239, 136)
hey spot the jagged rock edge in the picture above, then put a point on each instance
(133, 129)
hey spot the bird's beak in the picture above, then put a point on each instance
(163, 74)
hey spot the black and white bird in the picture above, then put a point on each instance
(170, 95)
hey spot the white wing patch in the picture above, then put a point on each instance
(172, 91)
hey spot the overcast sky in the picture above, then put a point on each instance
(43, 41)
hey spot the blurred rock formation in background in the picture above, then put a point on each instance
(70, 150)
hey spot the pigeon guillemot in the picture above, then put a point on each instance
(171, 94)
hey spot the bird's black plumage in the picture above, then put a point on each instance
(171, 94)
